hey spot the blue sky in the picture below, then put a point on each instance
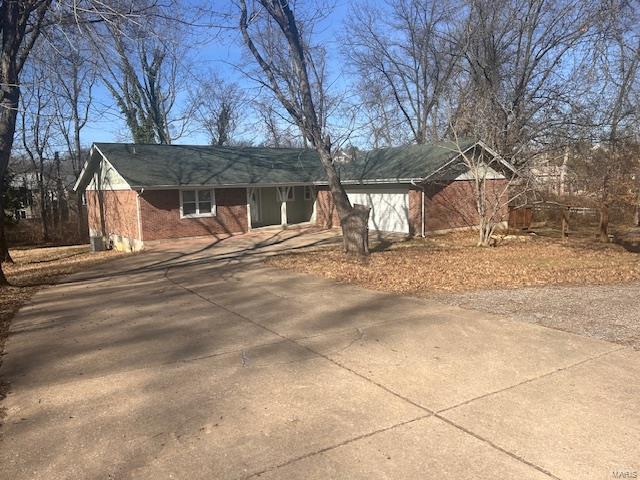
(220, 55)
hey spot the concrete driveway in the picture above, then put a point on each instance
(196, 361)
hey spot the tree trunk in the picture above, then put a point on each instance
(565, 223)
(604, 222)
(636, 213)
(3, 279)
(8, 116)
(486, 230)
(44, 214)
(5, 256)
(82, 227)
(355, 231)
(63, 209)
(354, 222)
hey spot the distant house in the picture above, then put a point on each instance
(553, 173)
(26, 186)
(139, 193)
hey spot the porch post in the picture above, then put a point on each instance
(283, 212)
(283, 193)
(314, 199)
(249, 193)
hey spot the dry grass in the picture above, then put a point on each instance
(453, 263)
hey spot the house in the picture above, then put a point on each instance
(138, 193)
(24, 184)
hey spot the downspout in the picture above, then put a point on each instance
(413, 182)
(139, 214)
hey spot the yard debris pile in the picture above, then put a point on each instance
(453, 263)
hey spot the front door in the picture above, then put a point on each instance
(254, 205)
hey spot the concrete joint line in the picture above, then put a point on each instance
(337, 445)
(530, 380)
(427, 411)
(306, 347)
(497, 447)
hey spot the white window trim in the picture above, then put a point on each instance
(198, 214)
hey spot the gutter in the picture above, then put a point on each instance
(281, 184)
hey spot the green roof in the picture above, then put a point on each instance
(147, 165)
(409, 162)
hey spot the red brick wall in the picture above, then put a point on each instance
(120, 212)
(415, 211)
(160, 213)
(326, 213)
(452, 204)
(447, 206)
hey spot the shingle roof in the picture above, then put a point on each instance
(174, 165)
(409, 162)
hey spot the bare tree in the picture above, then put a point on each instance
(280, 42)
(219, 106)
(37, 129)
(278, 130)
(21, 25)
(76, 76)
(619, 67)
(521, 57)
(494, 185)
(404, 56)
(142, 71)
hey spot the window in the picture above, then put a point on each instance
(197, 203)
(308, 192)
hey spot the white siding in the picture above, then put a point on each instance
(389, 207)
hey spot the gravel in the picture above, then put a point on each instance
(608, 312)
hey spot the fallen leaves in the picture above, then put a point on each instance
(453, 263)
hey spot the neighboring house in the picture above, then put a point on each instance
(552, 172)
(25, 182)
(26, 186)
(139, 193)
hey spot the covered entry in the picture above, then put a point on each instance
(389, 207)
(285, 205)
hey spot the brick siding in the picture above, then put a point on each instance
(120, 212)
(160, 214)
(415, 211)
(452, 204)
(447, 206)
(326, 214)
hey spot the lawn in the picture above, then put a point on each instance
(452, 263)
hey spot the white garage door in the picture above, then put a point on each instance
(389, 208)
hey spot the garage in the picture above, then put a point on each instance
(389, 207)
